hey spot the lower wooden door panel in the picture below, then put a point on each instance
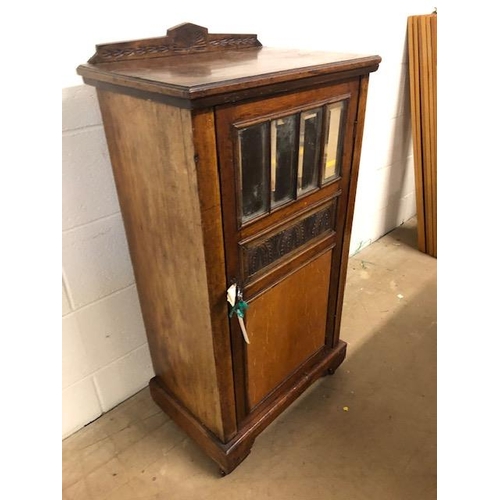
(286, 326)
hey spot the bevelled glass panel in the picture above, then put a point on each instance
(283, 158)
(333, 140)
(309, 150)
(254, 170)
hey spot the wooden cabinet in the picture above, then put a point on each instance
(235, 164)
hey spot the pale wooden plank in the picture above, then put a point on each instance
(433, 47)
(414, 70)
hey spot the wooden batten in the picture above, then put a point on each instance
(422, 57)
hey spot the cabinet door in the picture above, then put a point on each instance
(285, 170)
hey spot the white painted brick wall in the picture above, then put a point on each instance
(104, 348)
(80, 107)
(96, 260)
(66, 308)
(105, 354)
(111, 327)
(80, 405)
(386, 186)
(75, 362)
(88, 191)
(123, 378)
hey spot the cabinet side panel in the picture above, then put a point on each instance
(153, 162)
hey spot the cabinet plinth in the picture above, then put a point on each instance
(235, 164)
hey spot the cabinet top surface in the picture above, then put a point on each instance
(157, 65)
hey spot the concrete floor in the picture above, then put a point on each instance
(367, 433)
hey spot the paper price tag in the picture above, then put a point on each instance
(231, 295)
(238, 306)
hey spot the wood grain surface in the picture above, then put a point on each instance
(422, 65)
(204, 141)
(286, 325)
(185, 38)
(213, 73)
(171, 126)
(154, 167)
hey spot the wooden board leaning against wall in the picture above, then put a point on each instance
(422, 66)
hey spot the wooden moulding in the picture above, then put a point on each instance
(209, 95)
(182, 39)
(414, 76)
(422, 57)
(211, 219)
(158, 69)
(229, 455)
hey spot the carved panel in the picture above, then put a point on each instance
(182, 39)
(266, 250)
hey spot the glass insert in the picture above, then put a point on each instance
(283, 158)
(254, 170)
(333, 149)
(309, 150)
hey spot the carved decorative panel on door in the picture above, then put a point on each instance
(259, 253)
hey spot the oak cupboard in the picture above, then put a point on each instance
(236, 169)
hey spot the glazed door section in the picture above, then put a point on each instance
(285, 169)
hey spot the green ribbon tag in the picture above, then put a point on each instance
(239, 308)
